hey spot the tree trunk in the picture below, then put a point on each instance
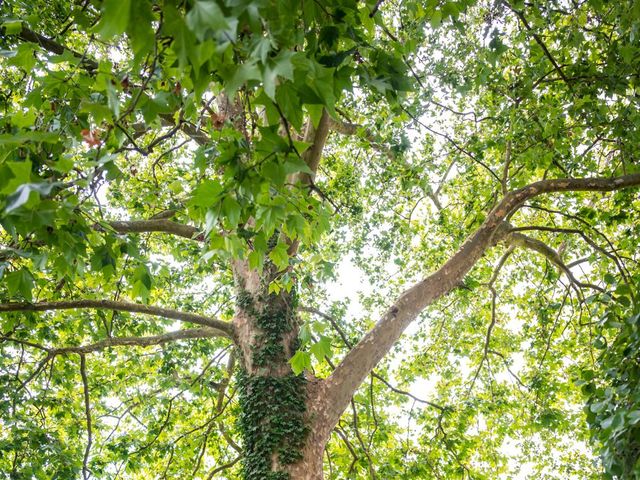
(310, 466)
(319, 426)
(274, 419)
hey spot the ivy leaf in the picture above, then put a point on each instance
(634, 417)
(274, 287)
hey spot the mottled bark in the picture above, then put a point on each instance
(224, 329)
(272, 398)
(327, 399)
(337, 390)
(254, 300)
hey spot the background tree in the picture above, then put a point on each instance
(183, 182)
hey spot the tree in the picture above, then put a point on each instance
(182, 181)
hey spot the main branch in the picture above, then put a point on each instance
(187, 334)
(224, 329)
(52, 46)
(336, 392)
(157, 225)
(521, 240)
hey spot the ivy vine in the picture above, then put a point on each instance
(272, 407)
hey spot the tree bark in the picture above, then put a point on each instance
(351, 372)
(327, 399)
(273, 420)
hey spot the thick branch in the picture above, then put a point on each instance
(349, 129)
(319, 138)
(157, 225)
(343, 382)
(196, 134)
(223, 467)
(52, 46)
(223, 329)
(521, 240)
(312, 158)
(192, 333)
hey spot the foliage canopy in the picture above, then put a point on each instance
(147, 147)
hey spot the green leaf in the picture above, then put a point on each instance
(112, 99)
(295, 226)
(15, 174)
(315, 113)
(114, 19)
(24, 57)
(21, 281)
(300, 362)
(262, 49)
(305, 334)
(289, 102)
(279, 255)
(322, 348)
(280, 66)
(142, 282)
(268, 216)
(204, 16)
(242, 74)
(296, 164)
(256, 260)
(206, 194)
(139, 29)
(436, 19)
(11, 26)
(21, 195)
(183, 39)
(232, 210)
(26, 137)
(274, 172)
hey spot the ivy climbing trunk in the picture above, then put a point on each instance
(273, 420)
